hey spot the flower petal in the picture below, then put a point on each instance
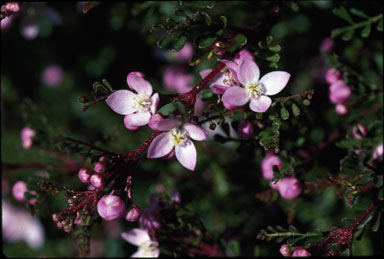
(160, 146)
(231, 66)
(121, 102)
(186, 154)
(155, 102)
(141, 85)
(136, 119)
(167, 124)
(130, 75)
(260, 104)
(195, 132)
(205, 72)
(218, 89)
(248, 71)
(235, 95)
(136, 236)
(275, 81)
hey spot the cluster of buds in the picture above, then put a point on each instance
(63, 221)
(338, 91)
(286, 251)
(10, 8)
(97, 177)
(219, 48)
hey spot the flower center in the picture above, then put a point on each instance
(254, 89)
(141, 103)
(178, 136)
(149, 248)
(229, 80)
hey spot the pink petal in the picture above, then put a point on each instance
(205, 72)
(160, 146)
(131, 74)
(195, 132)
(231, 66)
(248, 71)
(167, 124)
(245, 53)
(136, 119)
(136, 236)
(218, 89)
(260, 104)
(229, 106)
(235, 96)
(275, 81)
(186, 155)
(141, 85)
(121, 101)
(155, 102)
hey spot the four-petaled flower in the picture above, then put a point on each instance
(255, 91)
(137, 108)
(177, 137)
(139, 237)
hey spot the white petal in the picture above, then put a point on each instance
(195, 132)
(160, 146)
(186, 154)
(275, 81)
(260, 104)
(136, 236)
(248, 71)
(121, 101)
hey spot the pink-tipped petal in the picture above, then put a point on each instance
(275, 81)
(136, 119)
(155, 102)
(243, 53)
(229, 106)
(248, 71)
(186, 154)
(167, 124)
(121, 102)
(231, 66)
(205, 72)
(219, 89)
(136, 236)
(260, 104)
(141, 85)
(160, 146)
(235, 96)
(195, 132)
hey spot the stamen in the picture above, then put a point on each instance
(229, 80)
(178, 136)
(141, 103)
(254, 89)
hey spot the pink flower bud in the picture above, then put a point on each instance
(289, 188)
(362, 129)
(154, 120)
(97, 181)
(55, 217)
(245, 129)
(327, 45)
(99, 167)
(27, 135)
(339, 92)
(341, 109)
(332, 75)
(110, 207)
(378, 153)
(18, 190)
(133, 214)
(52, 75)
(267, 165)
(175, 196)
(102, 159)
(185, 53)
(84, 175)
(12, 7)
(301, 252)
(285, 250)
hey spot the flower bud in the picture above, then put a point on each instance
(18, 190)
(341, 109)
(267, 165)
(85, 175)
(285, 250)
(327, 45)
(332, 75)
(52, 75)
(362, 130)
(27, 135)
(68, 228)
(301, 252)
(110, 207)
(99, 167)
(97, 181)
(154, 120)
(339, 92)
(185, 53)
(12, 7)
(378, 153)
(175, 196)
(55, 217)
(289, 187)
(133, 214)
(245, 129)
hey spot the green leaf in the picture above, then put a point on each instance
(376, 226)
(164, 41)
(269, 40)
(294, 240)
(343, 13)
(284, 113)
(348, 35)
(293, 229)
(178, 44)
(366, 31)
(281, 229)
(381, 194)
(338, 31)
(295, 110)
(179, 12)
(207, 18)
(224, 20)
(379, 181)
(241, 39)
(358, 12)
(274, 58)
(206, 94)
(271, 229)
(275, 48)
(380, 25)
(351, 164)
(234, 246)
(206, 41)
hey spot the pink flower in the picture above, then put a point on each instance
(285, 250)
(110, 207)
(267, 165)
(301, 252)
(140, 237)
(12, 7)
(339, 92)
(27, 135)
(378, 153)
(341, 109)
(358, 135)
(18, 190)
(185, 53)
(137, 108)
(176, 78)
(245, 129)
(133, 214)
(327, 45)
(256, 92)
(332, 75)
(177, 137)
(52, 75)
(289, 187)
(84, 175)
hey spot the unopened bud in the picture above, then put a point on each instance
(362, 129)
(102, 159)
(18, 190)
(71, 202)
(97, 181)
(133, 214)
(68, 228)
(245, 129)
(12, 7)
(289, 187)
(84, 175)
(55, 217)
(341, 109)
(285, 250)
(301, 252)
(83, 99)
(110, 207)
(99, 167)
